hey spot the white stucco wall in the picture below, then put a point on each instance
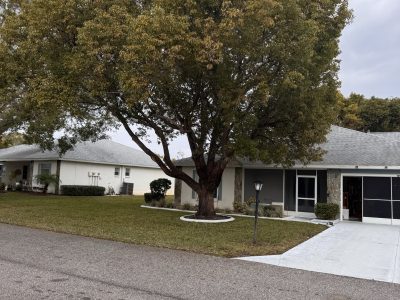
(77, 173)
(143, 176)
(228, 181)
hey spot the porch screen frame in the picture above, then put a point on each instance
(392, 221)
(302, 198)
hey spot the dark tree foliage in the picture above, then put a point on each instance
(370, 114)
(254, 78)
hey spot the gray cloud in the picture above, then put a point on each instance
(370, 47)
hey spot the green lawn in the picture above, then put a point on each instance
(122, 219)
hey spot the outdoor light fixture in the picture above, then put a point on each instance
(258, 186)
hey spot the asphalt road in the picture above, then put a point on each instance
(36, 264)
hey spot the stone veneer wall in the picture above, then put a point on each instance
(333, 186)
(238, 185)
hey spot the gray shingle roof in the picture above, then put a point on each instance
(347, 148)
(392, 135)
(103, 151)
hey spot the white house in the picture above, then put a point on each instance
(103, 163)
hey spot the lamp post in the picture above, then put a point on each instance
(258, 186)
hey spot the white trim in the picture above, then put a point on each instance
(299, 214)
(370, 175)
(230, 219)
(384, 221)
(396, 222)
(391, 198)
(297, 190)
(341, 198)
(362, 199)
(297, 193)
(369, 199)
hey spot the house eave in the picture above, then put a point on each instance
(323, 167)
(77, 161)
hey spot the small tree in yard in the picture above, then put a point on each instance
(160, 186)
(238, 78)
(46, 180)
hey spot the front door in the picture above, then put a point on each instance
(352, 197)
(306, 193)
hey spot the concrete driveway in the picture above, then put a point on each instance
(348, 249)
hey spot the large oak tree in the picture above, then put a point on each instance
(254, 78)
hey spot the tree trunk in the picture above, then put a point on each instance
(206, 204)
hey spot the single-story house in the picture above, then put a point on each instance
(103, 163)
(360, 172)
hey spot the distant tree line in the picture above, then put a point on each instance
(11, 139)
(369, 114)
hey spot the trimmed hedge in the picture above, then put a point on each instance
(82, 190)
(148, 197)
(327, 211)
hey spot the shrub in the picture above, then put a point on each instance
(158, 189)
(186, 206)
(219, 210)
(239, 207)
(2, 187)
(251, 211)
(47, 180)
(161, 203)
(327, 211)
(249, 201)
(169, 205)
(148, 197)
(273, 211)
(160, 186)
(82, 190)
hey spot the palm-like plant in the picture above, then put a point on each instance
(46, 180)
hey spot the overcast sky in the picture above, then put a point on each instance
(370, 58)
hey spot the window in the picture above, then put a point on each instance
(116, 171)
(45, 168)
(127, 172)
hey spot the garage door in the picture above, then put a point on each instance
(381, 200)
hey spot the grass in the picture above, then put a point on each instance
(122, 219)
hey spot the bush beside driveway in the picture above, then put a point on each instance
(122, 219)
